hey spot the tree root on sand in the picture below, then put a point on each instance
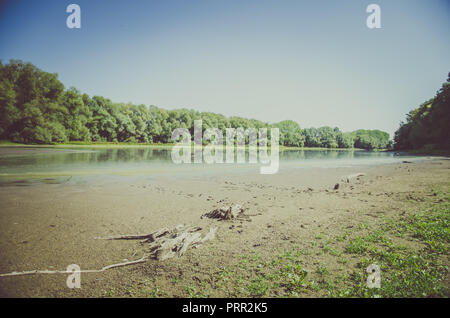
(163, 244)
(141, 260)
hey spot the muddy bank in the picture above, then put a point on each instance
(49, 226)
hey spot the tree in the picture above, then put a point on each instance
(327, 137)
(371, 139)
(344, 140)
(290, 134)
(427, 125)
(9, 113)
(36, 108)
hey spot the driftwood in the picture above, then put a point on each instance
(164, 244)
(352, 176)
(225, 213)
(141, 260)
(144, 237)
(177, 242)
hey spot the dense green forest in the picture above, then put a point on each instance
(427, 127)
(36, 108)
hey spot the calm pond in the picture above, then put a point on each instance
(41, 162)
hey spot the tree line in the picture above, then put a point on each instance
(36, 108)
(427, 127)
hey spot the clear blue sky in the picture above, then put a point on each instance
(315, 62)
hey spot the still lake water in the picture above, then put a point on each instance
(29, 162)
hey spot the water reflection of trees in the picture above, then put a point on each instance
(316, 154)
(133, 155)
(152, 155)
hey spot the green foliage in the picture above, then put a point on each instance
(345, 140)
(427, 126)
(328, 137)
(290, 134)
(35, 108)
(371, 139)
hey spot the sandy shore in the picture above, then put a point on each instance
(49, 226)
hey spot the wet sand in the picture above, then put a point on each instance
(49, 226)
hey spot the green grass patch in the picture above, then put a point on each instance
(411, 250)
(419, 270)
